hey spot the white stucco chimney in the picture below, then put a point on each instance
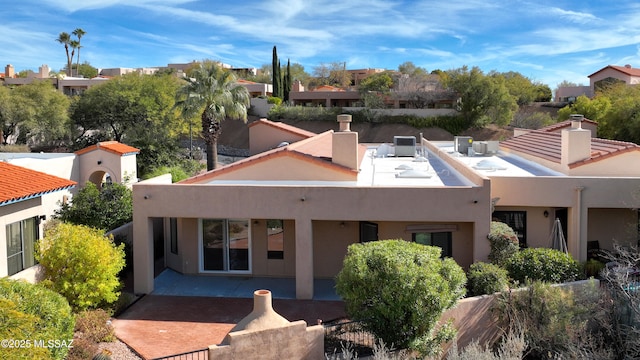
(345, 144)
(576, 142)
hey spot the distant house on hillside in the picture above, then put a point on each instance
(612, 74)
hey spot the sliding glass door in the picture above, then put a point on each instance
(225, 245)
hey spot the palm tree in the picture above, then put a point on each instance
(65, 39)
(73, 44)
(212, 92)
(79, 33)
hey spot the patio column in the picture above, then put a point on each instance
(304, 259)
(143, 256)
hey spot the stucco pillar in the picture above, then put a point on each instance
(577, 242)
(304, 259)
(142, 255)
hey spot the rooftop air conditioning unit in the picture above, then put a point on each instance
(462, 144)
(405, 145)
(479, 147)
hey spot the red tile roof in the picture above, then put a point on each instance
(327, 88)
(548, 145)
(110, 146)
(623, 69)
(316, 150)
(284, 127)
(18, 183)
(564, 124)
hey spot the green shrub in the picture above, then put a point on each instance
(15, 148)
(304, 113)
(107, 208)
(592, 268)
(274, 100)
(556, 321)
(82, 349)
(177, 173)
(484, 278)
(95, 326)
(32, 312)
(504, 243)
(399, 290)
(81, 264)
(543, 264)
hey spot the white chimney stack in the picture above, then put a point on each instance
(576, 142)
(344, 149)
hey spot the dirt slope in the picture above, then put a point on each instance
(236, 134)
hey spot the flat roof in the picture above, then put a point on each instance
(378, 168)
(499, 163)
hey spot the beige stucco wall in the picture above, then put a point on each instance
(613, 226)
(263, 137)
(615, 166)
(100, 161)
(609, 72)
(287, 168)
(578, 195)
(301, 205)
(10, 214)
(293, 341)
(331, 239)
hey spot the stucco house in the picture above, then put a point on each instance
(292, 209)
(34, 185)
(613, 74)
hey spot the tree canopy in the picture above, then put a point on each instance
(483, 99)
(107, 208)
(137, 110)
(35, 113)
(213, 94)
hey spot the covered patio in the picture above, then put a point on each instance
(172, 283)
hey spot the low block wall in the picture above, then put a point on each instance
(293, 341)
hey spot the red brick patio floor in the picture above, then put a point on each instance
(157, 326)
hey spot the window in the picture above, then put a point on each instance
(22, 237)
(439, 239)
(225, 245)
(275, 239)
(173, 233)
(368, 231)
(517, 220)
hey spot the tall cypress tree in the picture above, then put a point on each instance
(286, 86)
(275, 74)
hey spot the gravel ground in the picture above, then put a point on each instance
(119, 350)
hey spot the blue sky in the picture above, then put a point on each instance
(547, 41)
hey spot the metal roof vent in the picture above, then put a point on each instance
(404, 167)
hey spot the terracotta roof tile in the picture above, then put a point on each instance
(110, 146)
(564, 125)
(284, 127)
(316, 149)
(548, 145)
(623, 69)
(18, 183)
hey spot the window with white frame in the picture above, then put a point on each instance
(22, 237)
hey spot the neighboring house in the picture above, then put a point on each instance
(569, 94)
(34, 185)
(27, 198)
(612, 74)
(292, 209)
(68, 85)
(331, 96)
